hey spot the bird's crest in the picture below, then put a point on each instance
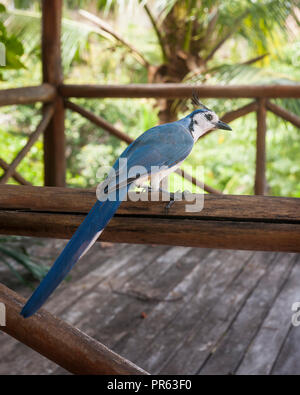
(197, 102)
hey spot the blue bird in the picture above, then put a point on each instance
(162, 147)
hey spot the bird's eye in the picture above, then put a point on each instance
(196, 122)
(209, 117)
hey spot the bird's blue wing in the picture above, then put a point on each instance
(164, 145)
(161, 146)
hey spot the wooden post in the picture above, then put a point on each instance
(54, 136)
(260, 175)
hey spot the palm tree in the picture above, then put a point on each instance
(192, 33)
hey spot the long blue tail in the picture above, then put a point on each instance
(82, 240)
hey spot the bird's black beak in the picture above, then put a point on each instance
(222, 125)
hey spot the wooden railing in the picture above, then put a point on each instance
(54, 91)
(60, 342)
(263, 223)
(241, 222)
(59, 98)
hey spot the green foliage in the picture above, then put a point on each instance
(13, 47)
(13, 253)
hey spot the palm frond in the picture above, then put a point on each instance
(27, 25)
(12, 248)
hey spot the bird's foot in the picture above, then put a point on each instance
(176, 196)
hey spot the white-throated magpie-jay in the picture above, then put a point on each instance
(163, 148)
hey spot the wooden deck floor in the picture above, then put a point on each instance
(176, 310)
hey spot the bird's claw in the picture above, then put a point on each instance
(175, 196)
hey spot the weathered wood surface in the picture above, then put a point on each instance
(274, 330)
(179, 91)
(60, 342)
(175, 310)
(233, 346)
(240, 222)
(30, 94)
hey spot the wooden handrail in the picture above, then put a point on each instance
(226, 221)
(180, 91)
(60, 342)
(30, 94)
(261, 93)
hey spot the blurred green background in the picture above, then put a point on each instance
(211, 42)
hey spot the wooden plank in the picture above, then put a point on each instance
(120, 313)
(31, 94)
(60, 342)
(54, 136)
(170, 231)
(260, 173)
(229, 352)
(213, 319)
(80, 201)
(99, 121)
(180, 91)
(283, 113)
(48, 113)
(137, 260)
(96, 266)
(264, 350)
(112, 267)
(154, 339)
(288, 362)
(75, 298)
(240, 222)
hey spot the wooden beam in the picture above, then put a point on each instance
(283, 113)
(233, 222)
(80, 201)
(99, 121)
(260, 174)
(16, 176)
(54, 136)
(58, 341)
(240, 112)
(30, 94)
(180, 91)
(48, 113)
